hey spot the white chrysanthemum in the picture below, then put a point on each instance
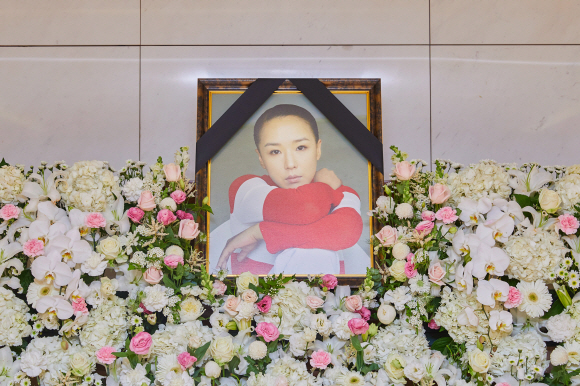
(135, 377)
(190, 309)
(351, 378)
(399, 338)
(536, 299)
(398, 297)
(265, 380)
(11, 183)
(386, 204)
(533, 253)
(176, 338)
(404, 211)
(167, 364)
(132, 189)
(155, 297)
(39, 290)
(479, 180)
(528, 348)
(177, 379)
(568, 188)
(107, 326)
(420, 284)
(257, 350)
(89, 186)
(13, 324)
(561, 327)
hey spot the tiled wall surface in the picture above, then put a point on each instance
(463, 79)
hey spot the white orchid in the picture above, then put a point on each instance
(7, 251)
(8, 367)
(76, 288)
(40, 188)
(55, 305)
(488, 292)
(434, 370)
(472, 212)
(50, 222)
(51, 269)
(488, 260)
(500, 321)
(70, 246)
(465, 244)
(511, 208)
(526, 183)
(115, 215)
(496, 230)
(463, 277)
(468, 317)
(334, 303)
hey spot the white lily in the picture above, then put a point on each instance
(500, 321)
(538, 220)
(488, 260)
(6, 261)
(40, 188)
(574, 243)
(51, 269)
(434, 370)
(115, 215)
(490, 291)
(496, 230)
(333, 346)
(334, 303)
(511, 381)
(55, 305)
(468, 317)
(8, 367)
(70, 246)
(472, 212)
(23, 220)
(526, 183)
(463, 277)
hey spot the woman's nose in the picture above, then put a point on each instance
(290, 162)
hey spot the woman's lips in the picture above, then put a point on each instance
(293, 179)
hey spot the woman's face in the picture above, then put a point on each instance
(288, 151)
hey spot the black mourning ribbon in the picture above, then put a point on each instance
(313, 89)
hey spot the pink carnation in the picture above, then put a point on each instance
(447, 215)
(424, 228)
(33, 248)
(9, 211)
(105, 355)
(166, 217)
(329, 281)
(432, 325)
(364, 313)
(264, 304)
(184, 215)
(358, 326)
(178, 196)
(141, 343)
(79, 305)
(268, 331)
(428, 216)
(514, 298)
(186, 360)
(95, 220)
(567, 223)
(173, 261)
(320, 359)
(410, 270)
(219, 288)
(135, 214)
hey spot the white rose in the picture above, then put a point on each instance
(212, 369)
(257, 350)
(191, 309)
(395, 366)
(479, 361)
(559, 356)
(243, 281)
(174, 250)
(386, 313)
(398, 270)
(400, 251)
(549, 200)
(404, 211)
(222, 349)
(110, 247)
(80, 364)
(168, 203)
(415, 371)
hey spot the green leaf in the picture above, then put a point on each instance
(233, 364)
(556, 308)
(523, 200)
(169, 283)
(3, 163)
(360, 360)
(200, 351)
(121, 354)
(26, 278)
(252, 286)
(441, 343)
(356, 343)
(272, 346)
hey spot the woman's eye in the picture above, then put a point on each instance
(301, 147)
(275, 152)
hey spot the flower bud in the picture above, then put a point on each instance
(453, 230)
(205, 200)
(64, 345)
(563, 295)
(373, 329)
(387, 190)
(152, 319)
(231, 325)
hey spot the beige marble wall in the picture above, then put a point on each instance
(463, 79)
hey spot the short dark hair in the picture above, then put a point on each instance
(284, 110)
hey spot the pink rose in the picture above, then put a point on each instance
(186, 360)
(424, 228)
(265, 304)
(173, 261)
(146, 201)
(184, 215)
(320, 359)
(353, 303)
(410, 270)
(387, 236)
(172, 172)
(79, 305)
(364, 313)
(135, 214)
(432, 325)
(314, 302)
(231, 304)
(514, 298)
(358, 326)
(9, 211)
(141, 343)
(178, 196)
(219, 288)
(268, 331)
(428, 216)
(404, 170)
(436, 273)
(105, 355)
(33, 248)
(188, 229)
(95, 220)
(166, 217)
(439, 193)
(447, 215)
(329, 281)
(567, 223)
(153, 275)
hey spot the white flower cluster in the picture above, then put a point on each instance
(107, 326)
(11, 183)
(479, 180)
(13, 319)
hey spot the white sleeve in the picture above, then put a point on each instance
(349, 200)
(249, 204)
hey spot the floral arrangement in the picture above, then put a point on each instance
(102, 281)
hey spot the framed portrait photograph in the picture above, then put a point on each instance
(289, 192)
